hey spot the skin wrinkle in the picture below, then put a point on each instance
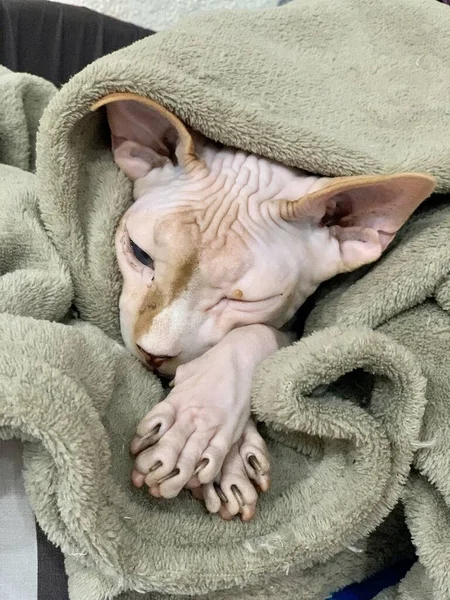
(242, 210)
(209, 219)
(222, 213)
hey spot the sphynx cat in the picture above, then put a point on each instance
(218, 251)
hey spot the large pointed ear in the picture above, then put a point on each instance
(362, 213)
(144, 134)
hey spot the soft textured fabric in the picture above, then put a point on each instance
(337, 88)
(24, 98)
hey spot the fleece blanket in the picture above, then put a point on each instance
(356, 413)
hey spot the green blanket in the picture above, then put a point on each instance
(356, 414)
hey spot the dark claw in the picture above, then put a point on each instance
(201, 465)
(237, 494)
(220, 493)
(255, 464)
(155, 466)
(146, 440)
(173, 473)
(153, 432)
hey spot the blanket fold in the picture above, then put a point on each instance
(355, 414)
(24, 98)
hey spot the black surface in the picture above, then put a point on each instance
(52, 578)
(55, 41)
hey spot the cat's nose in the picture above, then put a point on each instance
(153, 360)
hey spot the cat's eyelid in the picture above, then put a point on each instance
(137, 250)
(133, 244)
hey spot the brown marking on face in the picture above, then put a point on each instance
(238, 294)
(157, 298)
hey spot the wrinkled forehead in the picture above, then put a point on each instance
(177, 232)
(222, 261)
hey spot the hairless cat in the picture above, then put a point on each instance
(218, 251)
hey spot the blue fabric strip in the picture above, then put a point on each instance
(370, 587)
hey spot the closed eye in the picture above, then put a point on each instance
(141, 255)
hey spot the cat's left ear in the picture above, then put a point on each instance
(362, 213)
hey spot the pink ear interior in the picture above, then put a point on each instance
(383, 205)
(144, 134)
(362, 213)
(142, 138)
(133, 121)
